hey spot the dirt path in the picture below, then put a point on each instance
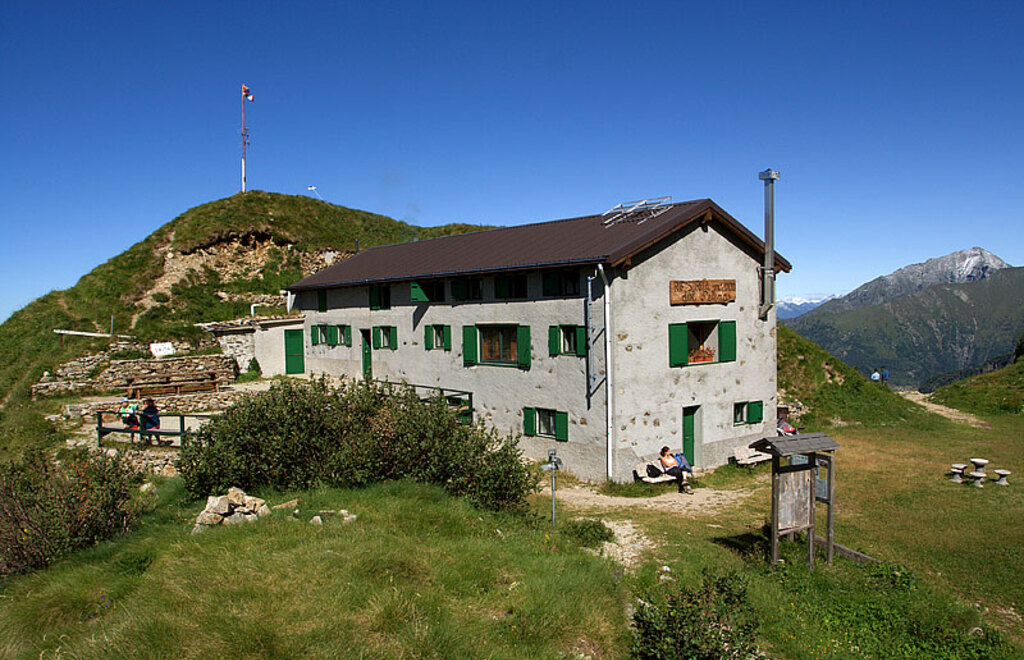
(924, 401)
(703, 500)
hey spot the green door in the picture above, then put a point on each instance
(367, 354)
(689, 431)
(294, 353)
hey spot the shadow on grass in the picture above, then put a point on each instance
(749, 545)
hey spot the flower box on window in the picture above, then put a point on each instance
(702, 355)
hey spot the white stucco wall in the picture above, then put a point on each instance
(268, 344)
(499, 392)
(649, 394)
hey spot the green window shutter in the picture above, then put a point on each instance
(376, 336)
(468, 344)
(428, 337)
(530, 421)
(347, 332)
(502, 288)
(554, 340)
(755, 412)
(416, 293)
(447, 337)
(314, 334)
(460, 289)
(550, 283)
(677, 340)
(561, 425)
(374, 296)
(523, 346)
(393, 337)
(727, 341)
(332, 334)
(581, 341)
(321, 301)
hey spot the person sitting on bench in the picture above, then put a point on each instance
(672, 466)
(128, 413)
(150, 420)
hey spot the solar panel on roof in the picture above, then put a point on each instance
(638, 211)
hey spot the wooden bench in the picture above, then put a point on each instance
(640, 473)
(744, 455)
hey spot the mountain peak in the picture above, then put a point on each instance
(958, 267)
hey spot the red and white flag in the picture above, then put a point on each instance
(247, 93)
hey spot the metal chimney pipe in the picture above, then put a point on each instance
(769, 177)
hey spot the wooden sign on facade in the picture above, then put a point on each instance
(701, 292)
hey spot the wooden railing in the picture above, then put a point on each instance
(460, 401)
(148, 436)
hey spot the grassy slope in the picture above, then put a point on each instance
(996, 393)
(28, 346)
(926, 333)
(836, 393)
(418, 574)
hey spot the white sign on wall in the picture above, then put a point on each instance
(161, 349)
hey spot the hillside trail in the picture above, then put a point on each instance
(925, 402)
(631, 543)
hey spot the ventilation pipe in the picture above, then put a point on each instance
(769, 177)
(608, 390)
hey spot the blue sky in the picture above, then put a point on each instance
(897, 127)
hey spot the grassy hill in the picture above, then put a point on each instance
(283, 227)
(944, 328)
(834, 393)
(998, 392)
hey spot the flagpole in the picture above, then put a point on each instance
(244, 141)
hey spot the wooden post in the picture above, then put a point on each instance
(181, 431)
(812, 460)
(775, 510)
(99, 427)
(829, 543)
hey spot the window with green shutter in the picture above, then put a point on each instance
(755, 412)
(554, 340)
(416, 293)
(346, 334)
(727, 341)
(314, 335)
(468, 345)
(678, 340)
(376, 336)
(447, 336)
(385, 336)
(437, 337)
(393, 337)
(380, 296)
(581, 341)
(330, 335)
(530, 421)
(321, 300)
(523, 352)
(567, 340)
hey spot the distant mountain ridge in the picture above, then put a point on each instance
(959, 267)
(939, 328)
(793, 306)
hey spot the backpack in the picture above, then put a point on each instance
(653, 472)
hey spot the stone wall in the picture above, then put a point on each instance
(99, 372)
(201, 402)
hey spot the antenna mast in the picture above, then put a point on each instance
(246, 96)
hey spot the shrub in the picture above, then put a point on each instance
(708, 622)
(254, 367)
(47, 510)
(297, 436)
(588, 532)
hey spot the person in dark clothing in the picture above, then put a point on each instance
(671, 466)
(150, 419)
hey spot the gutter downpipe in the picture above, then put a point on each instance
(607, 369)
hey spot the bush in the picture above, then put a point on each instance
(588, 532)
(47, 510)
(254, 367)
(709, 622)
(298, 436)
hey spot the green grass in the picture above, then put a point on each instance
(996, 393)
(418, 574)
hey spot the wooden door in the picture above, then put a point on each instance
(367, 353)
(689, 431)
(294, 352)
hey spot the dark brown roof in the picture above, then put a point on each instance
(584, 240)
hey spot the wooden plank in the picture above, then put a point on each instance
(849, 553)
(701, 292)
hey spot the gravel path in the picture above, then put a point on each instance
(952, 413)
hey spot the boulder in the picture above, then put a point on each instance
(236, 496)
(220, 505)
(253, 503)
(169, 471)
(208, 518)
(290, 504)
(316, 520)
(235, 519)
(263, 511)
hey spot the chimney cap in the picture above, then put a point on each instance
(768, 175)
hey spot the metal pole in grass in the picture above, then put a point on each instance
(554, 465)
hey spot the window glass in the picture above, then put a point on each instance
(546, 422)
(510, 286)
(498, 343)
(739, 413)
(438, 331)
(702, 341)
(568, 340)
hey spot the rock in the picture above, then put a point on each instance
(235, 519)
(263, 511)
(290, 504)
(316, 520)
(146, 487)
(219, 505)
(111, 452)
(197, 529)
(169, 471)
(349, 517)
(209, 519)
(253, 503)
(250, 517)
(236, 496)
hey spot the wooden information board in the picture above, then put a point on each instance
(701, 292)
